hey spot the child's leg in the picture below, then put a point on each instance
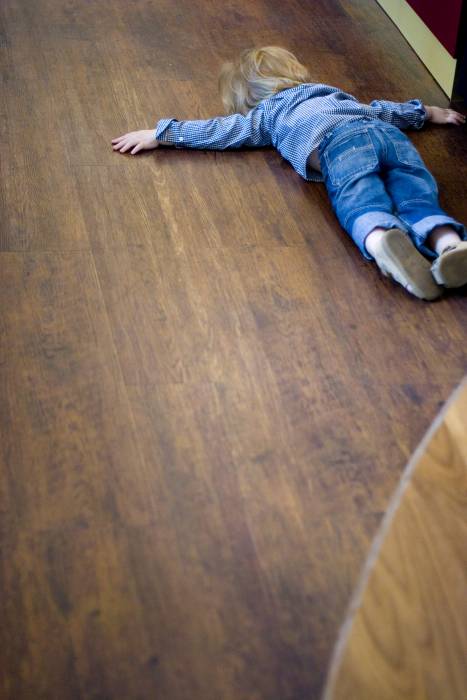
(439, 239)
(362, 205)
(442, 237)
(372, 240)
(350, 166)
(450, 267)
(397, 257)
(414, 192)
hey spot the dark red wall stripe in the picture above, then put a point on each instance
(442, 17)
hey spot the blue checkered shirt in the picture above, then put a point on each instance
(294, 121)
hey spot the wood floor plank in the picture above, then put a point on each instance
(40, 207)
(237, 518)
(66, 427)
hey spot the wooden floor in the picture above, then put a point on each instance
(405, 634)
(207, 394)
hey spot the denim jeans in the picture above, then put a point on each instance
(375, 176)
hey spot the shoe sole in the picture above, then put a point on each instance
(450, 269)
(400, 260)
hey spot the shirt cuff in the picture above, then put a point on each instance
(169, 131)
(420, 113)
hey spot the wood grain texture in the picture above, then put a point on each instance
(207, 394)
(405, 635)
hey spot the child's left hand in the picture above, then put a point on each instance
(143, 139)
(438, 115)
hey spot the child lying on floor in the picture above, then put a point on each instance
(379, 187)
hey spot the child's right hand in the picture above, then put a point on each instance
(439, 115)
(139, 139)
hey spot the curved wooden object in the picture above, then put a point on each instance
(405, 635)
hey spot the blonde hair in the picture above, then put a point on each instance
(258, 74)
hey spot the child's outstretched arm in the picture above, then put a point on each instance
(138, 140)
(219, 133)
(414, 114)
(439, 115)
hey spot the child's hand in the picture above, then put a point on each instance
(438, 115)
(139, 139)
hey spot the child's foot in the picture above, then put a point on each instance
(398, 258)
(450, 268)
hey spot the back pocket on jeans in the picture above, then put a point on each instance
(406, 152)
(352, 155)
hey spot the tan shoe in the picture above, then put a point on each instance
(450, 268)
(397, 257)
